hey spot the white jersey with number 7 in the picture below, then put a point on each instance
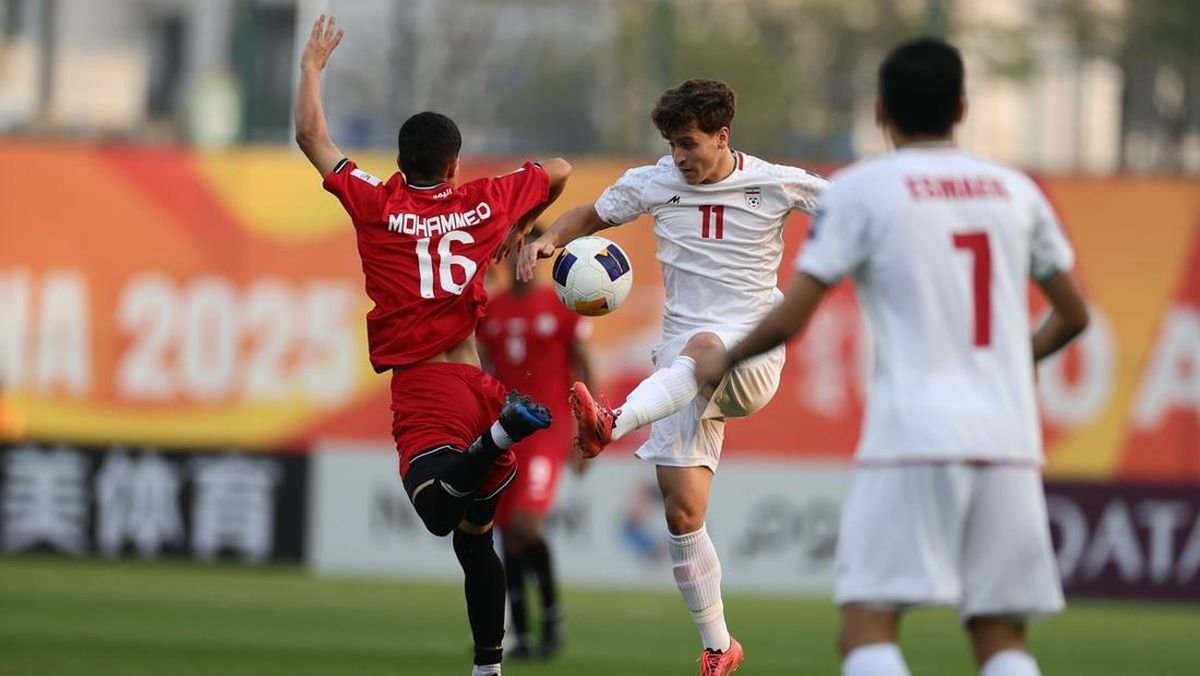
(719, 244)
(941, 245)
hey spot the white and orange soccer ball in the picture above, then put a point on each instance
(592, 276)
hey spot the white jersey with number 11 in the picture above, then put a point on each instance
(719, 244)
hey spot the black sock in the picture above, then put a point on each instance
(514, 571)
(483, 582)
(536, 557)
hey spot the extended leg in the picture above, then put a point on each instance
(442, 482)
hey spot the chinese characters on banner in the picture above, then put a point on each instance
(113, 501)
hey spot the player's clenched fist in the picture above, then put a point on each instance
(324, 39)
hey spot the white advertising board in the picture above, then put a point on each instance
(773, 523)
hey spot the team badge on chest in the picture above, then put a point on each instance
(753, 197)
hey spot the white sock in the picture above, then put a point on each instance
(486, 670)
(500, 437)
(1011, 663)
(877, 659)
(698, 576)
(658, 396)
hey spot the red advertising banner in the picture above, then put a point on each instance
(182, 299)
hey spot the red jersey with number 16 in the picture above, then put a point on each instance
(424, 252)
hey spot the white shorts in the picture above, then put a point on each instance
(692, 436)
(972, 536)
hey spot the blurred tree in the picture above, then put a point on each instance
(1156, 44)
(479, 63)
(549, 95)
(799, 69)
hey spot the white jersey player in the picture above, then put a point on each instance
(718, 223)
(946, 505)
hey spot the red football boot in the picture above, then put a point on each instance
(594, 421)
(722, 663)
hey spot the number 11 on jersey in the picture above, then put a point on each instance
(712, 220)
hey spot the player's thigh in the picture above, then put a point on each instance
(422, 420)
(1009, 567)
(900, 534)
(685, 439)
(425, 466)
(748, 387)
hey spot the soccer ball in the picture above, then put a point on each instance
(592, 276)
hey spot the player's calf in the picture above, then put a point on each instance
(484, 586)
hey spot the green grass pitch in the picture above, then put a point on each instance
(62, 616)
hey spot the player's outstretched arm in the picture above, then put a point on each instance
(781, 323)
(312, 132)
(558, 170)
(580, 221)
(1068, 315)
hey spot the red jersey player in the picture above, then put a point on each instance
(526, 325)
(425, 244)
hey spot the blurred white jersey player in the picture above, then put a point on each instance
(718, 223)
(946, 505)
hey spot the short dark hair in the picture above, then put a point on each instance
(921, 85)
(427, 144)
(711, 104)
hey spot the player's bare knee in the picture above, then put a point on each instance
(702, 344)
(862, 625)
(848, 638)
(845, 645)
(683, 518)
(853, 638)
(990, 635)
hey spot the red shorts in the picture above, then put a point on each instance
(541, 457)
(452, 405)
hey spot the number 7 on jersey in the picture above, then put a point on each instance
(976, 243)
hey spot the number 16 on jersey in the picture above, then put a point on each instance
(447, 261)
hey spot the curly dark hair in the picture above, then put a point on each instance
(709, 103)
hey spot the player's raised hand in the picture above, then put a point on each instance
(512, 242)
(325, 38)
(530, 253)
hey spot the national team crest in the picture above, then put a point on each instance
(753, 197)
